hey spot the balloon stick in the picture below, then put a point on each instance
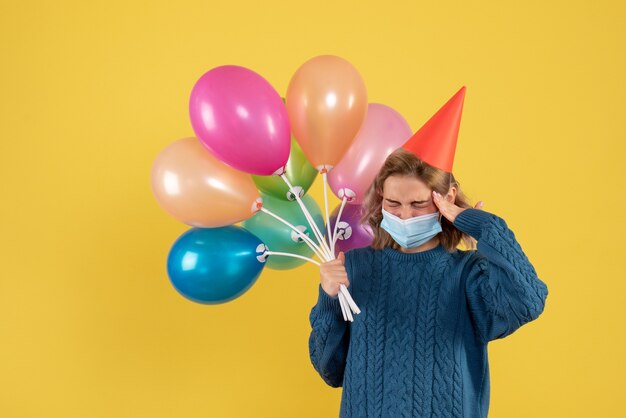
(330, 236)
(343, 306)
(307, 215)
(346, 307)
(303, 236)
(345, 299)
(346, 294)
(293, 255)
(343, 204)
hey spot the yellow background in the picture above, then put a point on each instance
(91, 92)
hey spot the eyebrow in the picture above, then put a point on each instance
(415, 201)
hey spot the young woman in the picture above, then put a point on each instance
(419, 346)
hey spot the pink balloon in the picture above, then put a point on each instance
(351, 232)
(383, 131)
(241, 119)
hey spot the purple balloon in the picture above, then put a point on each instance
(350, 232)
(241, 119)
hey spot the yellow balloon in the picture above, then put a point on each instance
(326, 103)
(198, 189)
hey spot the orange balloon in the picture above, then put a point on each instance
(326, 102)
(198, 189)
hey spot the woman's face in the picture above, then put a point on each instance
(407, 197)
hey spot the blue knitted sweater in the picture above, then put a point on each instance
(419, 346)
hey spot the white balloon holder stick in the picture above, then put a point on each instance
(325, 251)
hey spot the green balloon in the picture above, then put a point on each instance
(279, 237)
(298, 170)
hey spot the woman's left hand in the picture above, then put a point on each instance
(448, 209)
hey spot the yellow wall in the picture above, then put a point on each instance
(91, 92)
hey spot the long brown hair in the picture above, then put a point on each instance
(405, 163)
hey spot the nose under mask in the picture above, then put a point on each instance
(411, 232)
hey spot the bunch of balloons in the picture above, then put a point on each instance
(245, 166)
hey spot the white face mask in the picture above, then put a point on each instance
(411, 232)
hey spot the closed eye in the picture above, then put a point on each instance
(415, 203)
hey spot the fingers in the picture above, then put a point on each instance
(332, 284)
(344, 282)
(436, 199)
(332, 266)
(333, 274)
(448, 209)
(336, 276)
(336, 264)
(479, 205)
(442, 204)
(439, 201)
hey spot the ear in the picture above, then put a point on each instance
(451, 196)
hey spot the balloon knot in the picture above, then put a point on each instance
(257, 205)
(346, 193)
(261, 251)
(280, 171)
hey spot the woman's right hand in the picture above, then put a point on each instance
(333, 274)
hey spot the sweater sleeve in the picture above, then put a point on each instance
(502, 289)
(330, 336)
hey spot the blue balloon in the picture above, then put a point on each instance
(215, 265)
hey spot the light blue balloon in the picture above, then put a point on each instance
(214, 265)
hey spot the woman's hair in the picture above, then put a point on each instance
(405, 163)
